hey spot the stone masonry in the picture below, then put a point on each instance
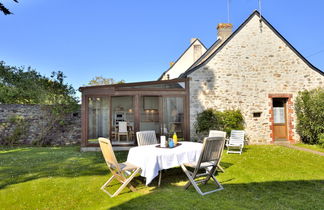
(37, 120)
(254, 66)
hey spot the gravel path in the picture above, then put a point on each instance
(303, 149)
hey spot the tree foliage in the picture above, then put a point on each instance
(309, 109)
(5, 10)
(210, 119)
(100, 80)
(20, 86)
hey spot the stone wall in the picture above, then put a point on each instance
(252, 67)
(37, 120)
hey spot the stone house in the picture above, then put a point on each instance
(256, 70)
(184, 62)
(253, 69)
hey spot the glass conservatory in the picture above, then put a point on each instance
(118, 111)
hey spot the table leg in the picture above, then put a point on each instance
(160, 176)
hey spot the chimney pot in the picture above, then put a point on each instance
(192, 40)
(224, 30)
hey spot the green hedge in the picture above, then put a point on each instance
(211, 119)
(309, 108)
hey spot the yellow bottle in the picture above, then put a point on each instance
(175, 138)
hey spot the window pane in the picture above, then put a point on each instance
(150, 114)
(173, 116)
(279, 114)
(98, 124)
(122, 120)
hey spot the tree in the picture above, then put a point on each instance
(20, 86)
(5, 10)
(100, 80)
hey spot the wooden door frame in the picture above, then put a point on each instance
(288, 114)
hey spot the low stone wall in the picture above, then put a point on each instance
(29, 124)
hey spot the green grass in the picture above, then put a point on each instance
(315, 147)
(263, 177)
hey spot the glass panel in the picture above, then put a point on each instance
(279, 114)
(122, 120)
(98, 118)
(150, 114)
(279, 110)
(173, 116)
(176, 85)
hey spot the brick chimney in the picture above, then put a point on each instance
(224, 30)
(197, 50)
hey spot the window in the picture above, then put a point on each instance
(279, 110)
(98, 118)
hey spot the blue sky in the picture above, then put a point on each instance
(136, 40)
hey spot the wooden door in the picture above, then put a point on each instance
(279, 119)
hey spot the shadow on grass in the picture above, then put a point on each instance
(301, 194)
(24, 164)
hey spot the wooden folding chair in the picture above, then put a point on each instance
(216, 133)
(209, 158)
(122, 172)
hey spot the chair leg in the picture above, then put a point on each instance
(105, 185)
(126, 183)
(219, 184)
(187, 185)
(193, 182)
(220, 168)
(191, 179)
(210, 173)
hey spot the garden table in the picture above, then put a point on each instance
(152, 159)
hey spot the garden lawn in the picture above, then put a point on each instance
(263, 177)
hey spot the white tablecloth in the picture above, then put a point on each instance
(152, 159)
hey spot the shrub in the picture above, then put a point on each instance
(309, 109)
(210, 119)
(233, 120)
(321, 140)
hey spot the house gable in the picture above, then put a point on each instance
(207, 56)
(187, 58)
(254, 64)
